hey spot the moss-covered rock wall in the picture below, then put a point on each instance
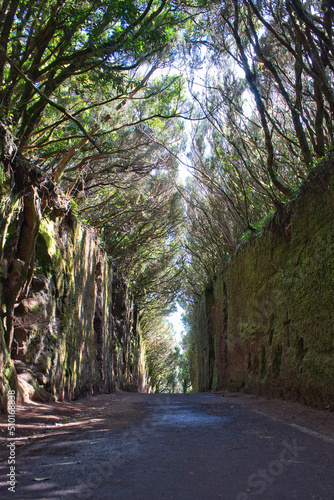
(77, 330)
(68, 323)
(271, 313)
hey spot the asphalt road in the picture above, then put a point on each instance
(180, 447)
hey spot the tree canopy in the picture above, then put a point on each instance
(97, 96)
(264, 82)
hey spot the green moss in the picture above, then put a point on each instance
(4, 183)
(47, 232)
(48, 254)
(277, 297)
(219, 289)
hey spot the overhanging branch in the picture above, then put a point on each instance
(49, 101)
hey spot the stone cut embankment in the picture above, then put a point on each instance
(76, 331)
(267, 323)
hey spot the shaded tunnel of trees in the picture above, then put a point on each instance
(101, 103)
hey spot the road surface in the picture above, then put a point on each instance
(172, 447)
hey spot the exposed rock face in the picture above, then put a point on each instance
(267, 324)
(77, 331)
(68, 324)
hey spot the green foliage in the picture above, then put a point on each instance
(55, 55)
(139, 218)
(257, 226)
(162, 352)
(253, 150)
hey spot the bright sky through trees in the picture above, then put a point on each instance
(176, 321)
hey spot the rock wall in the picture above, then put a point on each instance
(77, 331)
(267, 324)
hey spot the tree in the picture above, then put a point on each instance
(161, 352)
(50, 47)
(141, 227)
(259, 89)
(69, 71)
(285, 54)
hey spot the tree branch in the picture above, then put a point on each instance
(49, 101)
